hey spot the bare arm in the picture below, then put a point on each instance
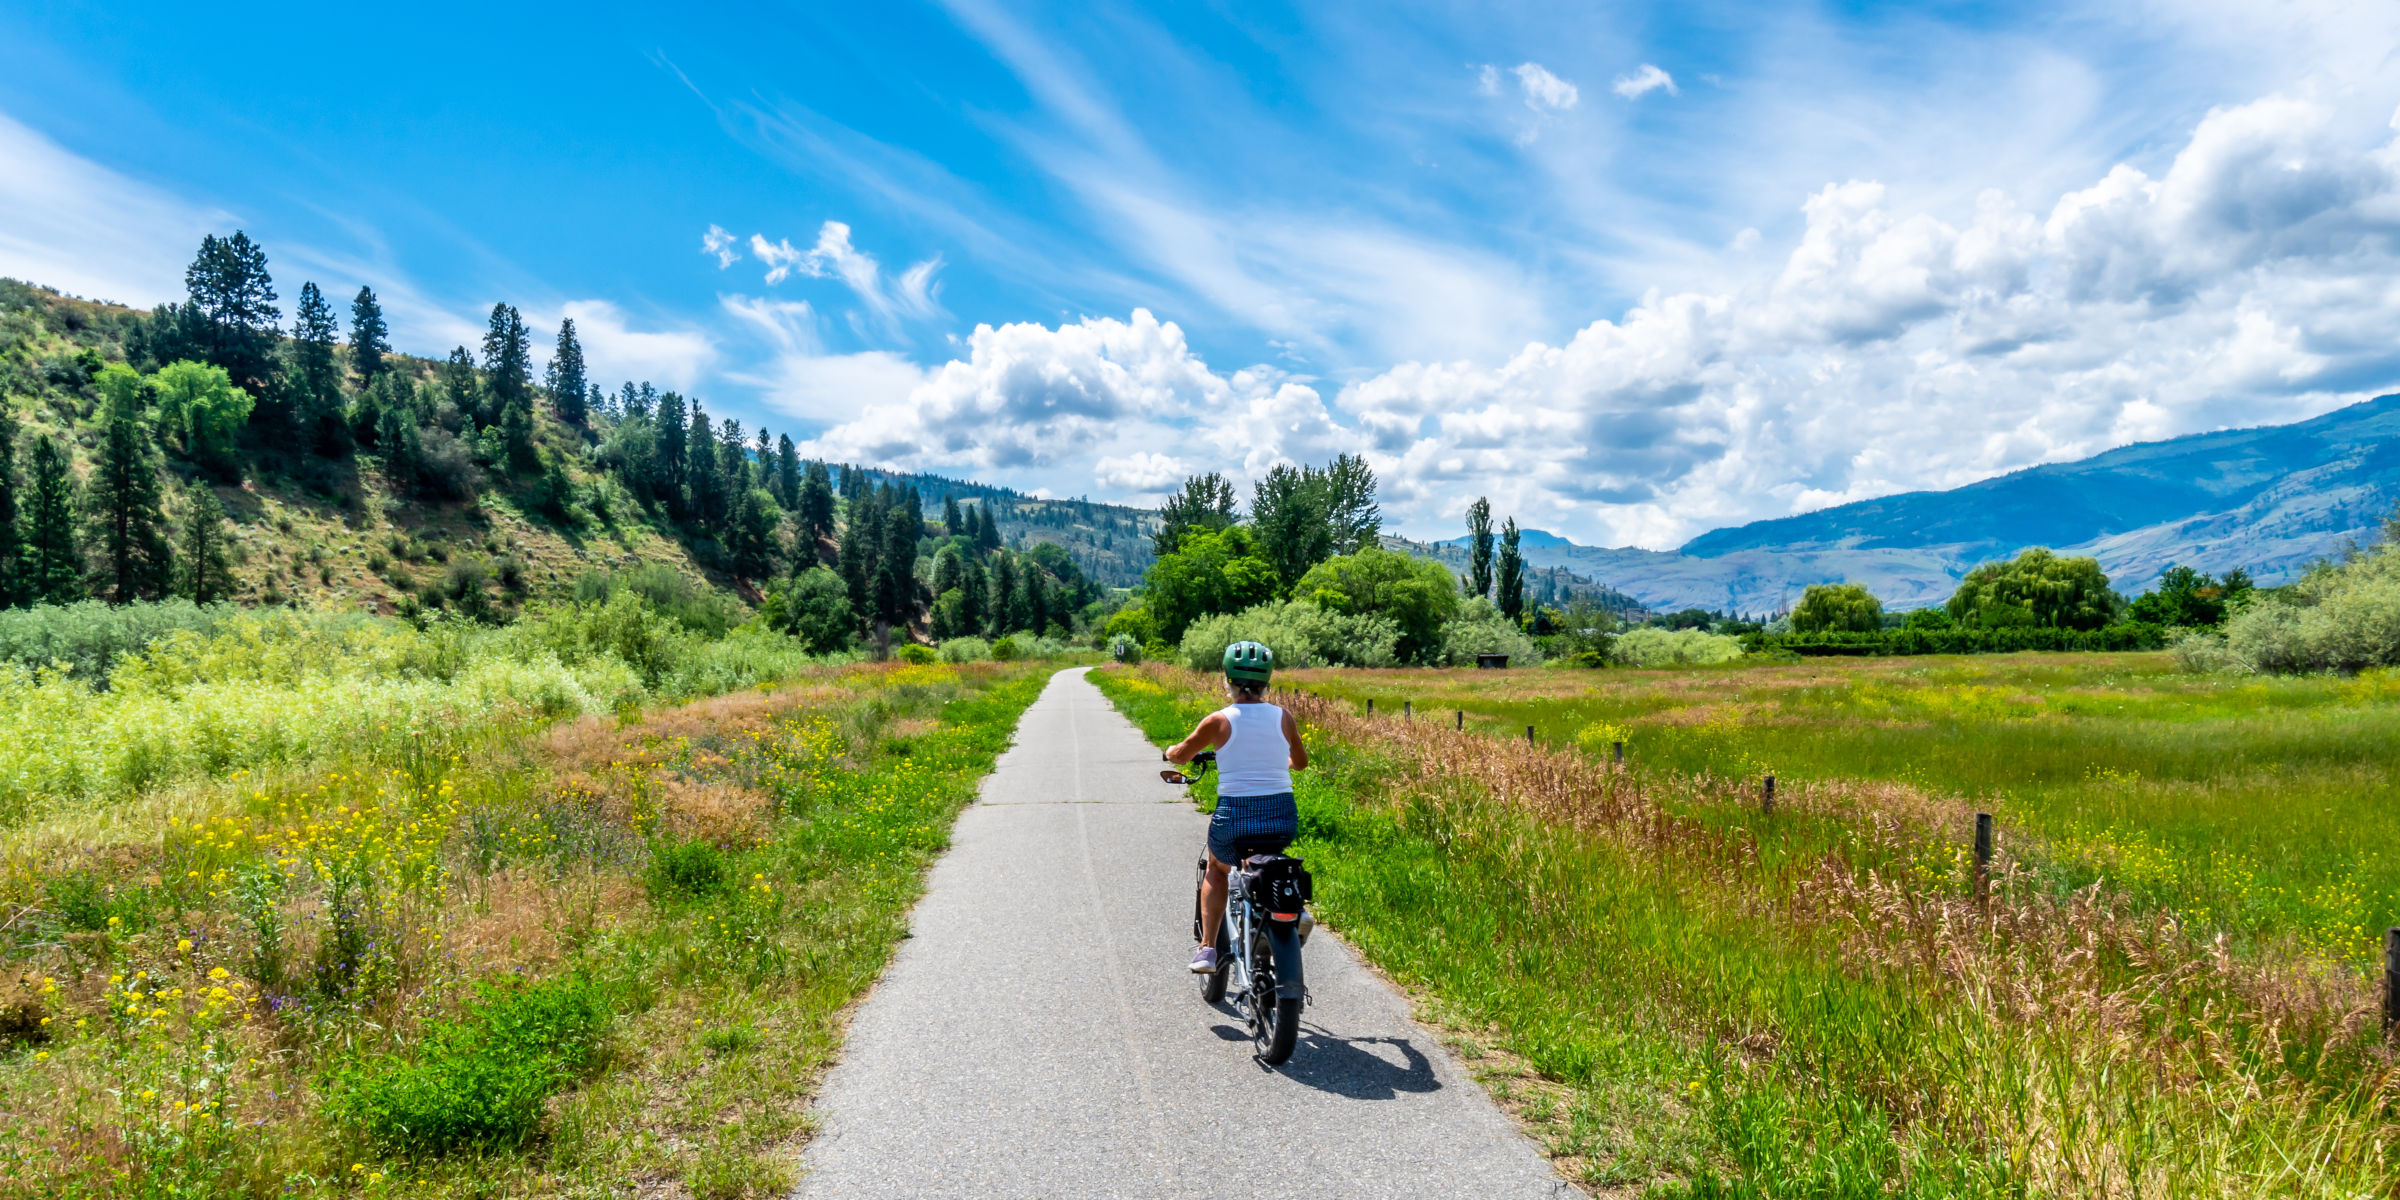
(1291, 734)
(1210, 734)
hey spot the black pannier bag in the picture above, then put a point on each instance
(1279, 885)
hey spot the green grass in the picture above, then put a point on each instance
(1684, 997)
(2261, 806)
(540, 966)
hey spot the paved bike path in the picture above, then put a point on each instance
(1038, 1035)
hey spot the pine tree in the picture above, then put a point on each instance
(700, 477)
(507, 368)
(896, 576)
(787, 473)
(207, 575)
(369, 336)
(861, 550)
(951, 519)
(12, 546)
(816, 504)
(315, 377)
(565, 376)
(974, 595)
(462, 388)
(53, 561)
(670, 454)
(396, 441)
(1007, 601)
(125, 505)
(233, 308)
(987, 532)
(1479, 547)
(1511, 581)
(1037, 600)
(733, 467)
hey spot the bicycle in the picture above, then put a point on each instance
(1259, 939)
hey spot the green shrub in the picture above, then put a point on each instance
(1675, 647)
(90, 636)
(2337, 618)
(693, 870)
(965, 650)
(920, 655)
(1480, 629)
(481, 1080)
(1299, 632)
(1004, 650)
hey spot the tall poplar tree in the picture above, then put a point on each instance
(369, 336)
(53, 561)
(207, 576)
(124, 502)
(1511, 581)
(1479, 547)
(566, 378)
(12, 546)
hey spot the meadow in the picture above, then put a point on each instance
(1684, 995)
(567, 908)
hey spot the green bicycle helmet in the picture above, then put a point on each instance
(1250, 663)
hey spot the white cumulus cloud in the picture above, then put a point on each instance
(912, 295)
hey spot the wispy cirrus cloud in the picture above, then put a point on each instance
(1650, 78)
(911, 295)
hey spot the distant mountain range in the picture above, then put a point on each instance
(2269, 499)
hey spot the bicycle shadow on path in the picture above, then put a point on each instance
(1346, 1067)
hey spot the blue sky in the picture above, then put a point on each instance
(1633, 271)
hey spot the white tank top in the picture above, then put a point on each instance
(1256, 759)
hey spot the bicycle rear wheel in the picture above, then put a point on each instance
(1274, 1020)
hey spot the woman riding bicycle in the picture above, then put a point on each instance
(1258, 747)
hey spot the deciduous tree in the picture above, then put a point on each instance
(1510, 579)
(1479, 547)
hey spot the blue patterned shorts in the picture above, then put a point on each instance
(1252, 825)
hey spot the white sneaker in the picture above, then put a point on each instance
(1205, 961)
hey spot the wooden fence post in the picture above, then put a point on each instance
(1462, 720)
(1408, 708)
(1766, 801)
(1620, 751)
(1370, 706)
(1529, 735)
(1983, 860)
(2391, 979)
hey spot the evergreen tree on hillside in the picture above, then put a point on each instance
(951, 519)
(462, 389)
(207, 576)
(701, 481)
(124, 499)
(896, 574)
(750, 534)
(673, 425)
(974, 598)
(565, 376)
(508, 380)
(1006, 605)
(787, 473)
(315, 377)
(233, 299)
(12, 546)
(369, 336)
(1511, 581)
(396, 439)
(816, 505)
(733, 464)
(860, 554)
(987, 530)
(1479, 547)
(53, 561)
